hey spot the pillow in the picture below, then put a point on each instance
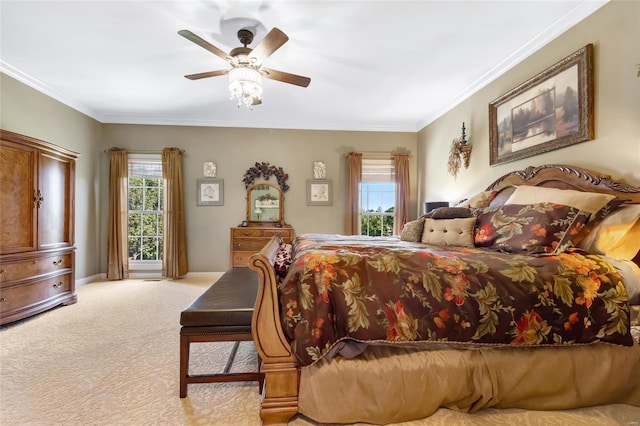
(617, 235)
(449, 232)
(591, 202)
(282, 262)
(543, 228)
(480, 200)
(412, 231)
(448, 213)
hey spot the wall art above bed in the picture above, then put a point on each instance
(552, 110)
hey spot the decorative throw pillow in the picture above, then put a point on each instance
(448, 213)
(617, 235)
(478, 201)
(592, 202)
(449, 232)
(543, 228)
(598, 217)
(412, 231)
(282, 261)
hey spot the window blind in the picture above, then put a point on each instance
(378, 170)
(145, 166)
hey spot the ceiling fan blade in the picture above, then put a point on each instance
(205, 44)
(206, 74)
(269, 44)
(286, 77)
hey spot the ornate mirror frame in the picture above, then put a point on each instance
(265, 201)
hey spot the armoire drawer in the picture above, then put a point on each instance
(16, 297)
(32, 267)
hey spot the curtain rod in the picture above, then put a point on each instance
(106, 151)
(384, 154)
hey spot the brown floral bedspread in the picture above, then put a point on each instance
(382, 289)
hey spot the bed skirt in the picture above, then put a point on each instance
(396, 384)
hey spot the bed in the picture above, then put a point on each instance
(536, 312)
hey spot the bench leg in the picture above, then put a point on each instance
(184, 364)
(261, 379)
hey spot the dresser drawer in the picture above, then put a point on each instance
(21, 296)
(284, 233)
(28, 268)
(247, 232)
(240, 258)
(249, 244)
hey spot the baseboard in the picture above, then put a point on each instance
(137, 275)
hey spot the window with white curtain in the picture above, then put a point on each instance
(377, 196)
(145, 217)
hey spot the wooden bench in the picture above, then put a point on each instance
(221, 314)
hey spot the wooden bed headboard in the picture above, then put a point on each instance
(562, 176)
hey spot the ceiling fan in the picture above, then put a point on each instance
(246, 72)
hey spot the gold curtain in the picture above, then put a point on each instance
(354, 177)
(401, 164)
(117, 244)
(174, 259)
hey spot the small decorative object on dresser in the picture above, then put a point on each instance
(37, 252)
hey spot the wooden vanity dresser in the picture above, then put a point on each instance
(247, 240)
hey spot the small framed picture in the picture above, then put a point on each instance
(210, 169)
(319, 170)
(210, 192)
(319, 193)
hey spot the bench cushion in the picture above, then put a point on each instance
(228, 303)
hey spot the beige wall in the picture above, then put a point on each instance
(615, 32)
(29, 112)
(234, 151)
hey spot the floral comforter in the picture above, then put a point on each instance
(377, 289)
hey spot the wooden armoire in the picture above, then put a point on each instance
(37, 252)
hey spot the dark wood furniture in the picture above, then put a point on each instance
(247, 240)
(37, 253)
(221, 314)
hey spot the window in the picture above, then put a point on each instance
(377, 197)
(145, 217)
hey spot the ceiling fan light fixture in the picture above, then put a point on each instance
(245, 85)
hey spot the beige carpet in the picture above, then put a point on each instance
(112, 359)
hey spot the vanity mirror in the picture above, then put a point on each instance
(264, 203)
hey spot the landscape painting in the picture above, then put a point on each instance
(550, 111)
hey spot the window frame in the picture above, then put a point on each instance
(377, 165)
(145, 265)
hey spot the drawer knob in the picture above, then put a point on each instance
(2, 299)
(58, 285)
(3, 271)
(58, 262)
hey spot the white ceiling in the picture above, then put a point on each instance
(374, 65)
